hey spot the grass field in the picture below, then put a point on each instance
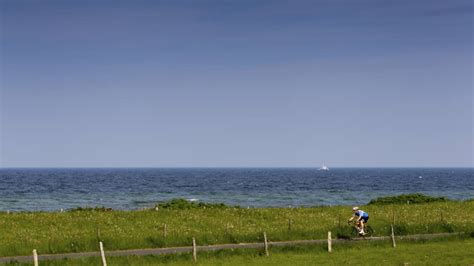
(75, 231)
(443, 252)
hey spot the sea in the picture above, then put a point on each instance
(54, 189)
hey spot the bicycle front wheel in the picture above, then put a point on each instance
(354, 232)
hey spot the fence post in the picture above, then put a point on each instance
(102, 254)
(164, 231)
(393, 238)
(329, 242)
(35, 257)
(265, 244)
(194, 250)
(289, 224)
(393, 216)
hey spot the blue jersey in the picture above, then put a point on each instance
(361, 213)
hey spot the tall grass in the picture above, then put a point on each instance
(76, 231)
(451, 251)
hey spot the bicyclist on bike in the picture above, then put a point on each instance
(361, 219)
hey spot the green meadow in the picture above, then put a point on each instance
(81, 229)
(450, 251)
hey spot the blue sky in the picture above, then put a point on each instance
(236, 83)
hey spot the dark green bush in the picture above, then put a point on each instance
(88, 209)
(407, 199)
(181, 204)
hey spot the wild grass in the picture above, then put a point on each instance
(453, 251)
(76, 231)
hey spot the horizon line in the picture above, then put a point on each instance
(216, 167)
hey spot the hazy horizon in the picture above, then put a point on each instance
(240, 167)
(236, 83)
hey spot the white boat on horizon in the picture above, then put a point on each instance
(324, 168)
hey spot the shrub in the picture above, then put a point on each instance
(181, 204)
(407, 199)
(89, 209)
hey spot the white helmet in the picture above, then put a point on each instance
(355, 208)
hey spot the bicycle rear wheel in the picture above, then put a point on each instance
(368, 231)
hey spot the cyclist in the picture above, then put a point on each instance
(361, 219)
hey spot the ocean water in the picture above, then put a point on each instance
(135, 188)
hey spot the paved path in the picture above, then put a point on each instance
(158, 251)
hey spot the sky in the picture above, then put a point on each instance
(366, 83)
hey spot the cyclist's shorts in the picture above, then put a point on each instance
(365, 218)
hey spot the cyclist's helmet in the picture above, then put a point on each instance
(355, 208)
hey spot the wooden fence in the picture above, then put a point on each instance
(194, 248)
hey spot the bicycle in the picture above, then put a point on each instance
(356, 230)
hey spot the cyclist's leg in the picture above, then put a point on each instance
(362, 226)
(364, 221)
(356, 229)
(357, 226)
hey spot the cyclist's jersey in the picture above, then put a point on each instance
(361, 213)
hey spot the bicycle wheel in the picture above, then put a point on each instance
(369, 231)
(354, 232)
